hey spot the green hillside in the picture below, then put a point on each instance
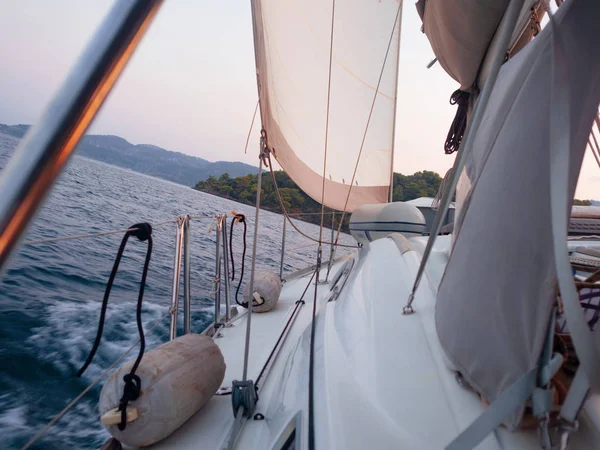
(243, 190)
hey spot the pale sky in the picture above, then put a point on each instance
(190, 87)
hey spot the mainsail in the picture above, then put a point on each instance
(292, 46)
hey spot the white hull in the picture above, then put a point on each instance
(381, 378)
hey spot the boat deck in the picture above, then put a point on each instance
(381, 379)
(211, 426)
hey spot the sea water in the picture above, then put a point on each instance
(50, 294)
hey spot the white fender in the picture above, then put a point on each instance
(268, 287)
(177, 379)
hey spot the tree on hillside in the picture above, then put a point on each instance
(243, 189)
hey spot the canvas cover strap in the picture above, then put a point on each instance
(575, 397)
(506, 404)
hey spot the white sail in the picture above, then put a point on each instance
(292, 44)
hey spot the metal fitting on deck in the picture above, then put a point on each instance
(243, 395)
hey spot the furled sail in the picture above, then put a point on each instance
(292, 46)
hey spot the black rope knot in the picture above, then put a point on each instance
(132, 388)
(459, 124)
(255, 303)
(131, 392)
(142, 231)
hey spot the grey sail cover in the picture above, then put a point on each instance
(460, 32)
(496, 295)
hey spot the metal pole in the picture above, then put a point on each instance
(176, 278)
(46, 148)
(227, 280)
(218, 271)
(282, 246)
(187, 307)
(254, 244)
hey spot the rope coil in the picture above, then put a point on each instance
(459, 124)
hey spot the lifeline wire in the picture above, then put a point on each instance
(104, 233)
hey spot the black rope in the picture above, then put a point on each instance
(241, 219)
(459, 124)
(311, 360)
(131, 390)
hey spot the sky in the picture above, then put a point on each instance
(191, 86)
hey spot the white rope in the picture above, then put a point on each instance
(251, 126)
(302, 246)
(66, 409)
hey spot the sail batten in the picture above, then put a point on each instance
(292, 44)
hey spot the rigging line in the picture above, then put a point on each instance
(66, 409)
(264, 152)
(309, 213)
(105, 233)
(593, 136)
(326, 127)
(311, 361)
(289, 219)
(362, 144)
(299, 303)
(201, 216)
(301, 247)
(311, 369)
(594, 150)
(81, 236)
(251, 126)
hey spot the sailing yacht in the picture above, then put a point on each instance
(419, 340)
